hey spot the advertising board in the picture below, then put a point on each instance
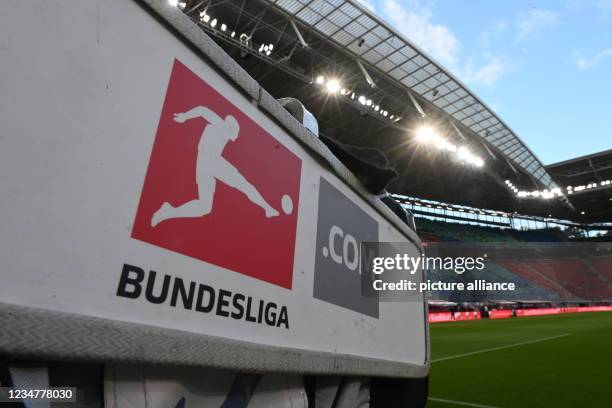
(151, 190)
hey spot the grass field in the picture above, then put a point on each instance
(548, 361)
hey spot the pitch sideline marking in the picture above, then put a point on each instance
(500, 347)
(465, 404)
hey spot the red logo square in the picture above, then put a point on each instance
(219, 188)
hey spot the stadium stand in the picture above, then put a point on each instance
(449, 232)
(576, 276)
(548, 235)
(545, 279)
(524, 270)
(603, 265)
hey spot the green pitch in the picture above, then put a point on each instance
(548, 361)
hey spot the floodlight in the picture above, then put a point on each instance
(362, 99)
(213, 23)
(438, 141)
(425, 134)
(450, 147)
(206, 18)
(333, 86)
(320, 79)
(223, 27)
(463, 153)
(233, 34)
(173, 3)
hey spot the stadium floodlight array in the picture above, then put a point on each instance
(428, 135)
(334, 86)
(545, 194)
(265, 49)
(589, 186)
(557, 192)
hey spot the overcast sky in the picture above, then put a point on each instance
(544, 66)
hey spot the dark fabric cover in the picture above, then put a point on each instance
(369, 165)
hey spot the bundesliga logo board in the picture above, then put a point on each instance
(219, 188)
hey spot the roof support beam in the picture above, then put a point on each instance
(452, 122)
(493, 156)
(594, 169)
(512, 167)
(192, 9)
(365, 73)
(416, 104)
(298, 34)
(484, 144)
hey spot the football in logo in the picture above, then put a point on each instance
(219, 188)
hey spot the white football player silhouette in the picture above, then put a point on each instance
(212, 167)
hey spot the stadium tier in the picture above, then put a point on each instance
(434, 231)
(551, 235)
(570, 278)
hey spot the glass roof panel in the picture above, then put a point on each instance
(321, 6)
(340, 18)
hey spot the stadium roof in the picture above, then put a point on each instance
(287, 46)
(360, 32)
(589, 178)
